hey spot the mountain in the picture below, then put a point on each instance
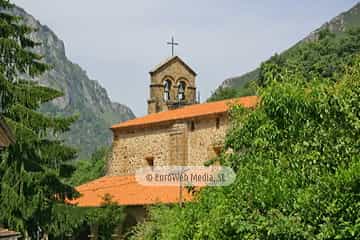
(83, 96)
(339, 24)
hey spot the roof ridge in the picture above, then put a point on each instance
(167, 61)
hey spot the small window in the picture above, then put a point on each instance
(192, 126)
(167, 89)
(181, 91)
(150, 161)
(217, 123)
(217, 150)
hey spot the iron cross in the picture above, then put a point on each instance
(173, 44)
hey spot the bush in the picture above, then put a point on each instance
(297, 159)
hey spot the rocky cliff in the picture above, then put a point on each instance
(82, 96)
(344, 21)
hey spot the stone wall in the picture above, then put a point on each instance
(131, 149)
(188, 142)
(175, 72)
(206, 139)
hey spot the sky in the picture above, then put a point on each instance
(117, 42)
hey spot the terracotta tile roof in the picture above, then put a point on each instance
(170, 60)
(125, 190)
(191, 111)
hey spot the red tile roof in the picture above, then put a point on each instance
(191, 111)
(125, 190)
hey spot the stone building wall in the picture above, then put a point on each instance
(206, 139)
(131, 149)
(175, 72)
(188, 142)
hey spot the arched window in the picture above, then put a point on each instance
(167, 89)
(181, 91)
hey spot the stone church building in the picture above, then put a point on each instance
(177, 131)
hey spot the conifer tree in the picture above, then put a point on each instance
(31, 169)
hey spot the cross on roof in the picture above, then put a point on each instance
(173, 44)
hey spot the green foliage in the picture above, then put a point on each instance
(70, 220)
(107, 218)
(323, 59)
(227, 93)
(34, 170)
(297, 156)
(241, 83)
(344, 22)
(31, 170)
(83, 96)
(87, 170)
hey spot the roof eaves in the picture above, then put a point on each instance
(165, 121)
(145, 121)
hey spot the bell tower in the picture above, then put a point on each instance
(172, 85)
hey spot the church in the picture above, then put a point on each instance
(178, 131)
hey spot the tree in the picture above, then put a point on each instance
(32, 168)
(87, 170)
(70, 220)
(223, 93)
(297, 157)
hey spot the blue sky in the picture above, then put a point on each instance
(117, 42)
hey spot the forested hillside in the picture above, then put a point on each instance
(338, 25)
(297, 155)
(82, 96)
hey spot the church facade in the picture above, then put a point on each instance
(178, 131)
(161, 140)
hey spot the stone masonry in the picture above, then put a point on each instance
(187, 142)
(175, 71)
(181, 141)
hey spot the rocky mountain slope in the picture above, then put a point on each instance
(342, 22)
(82, 96)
